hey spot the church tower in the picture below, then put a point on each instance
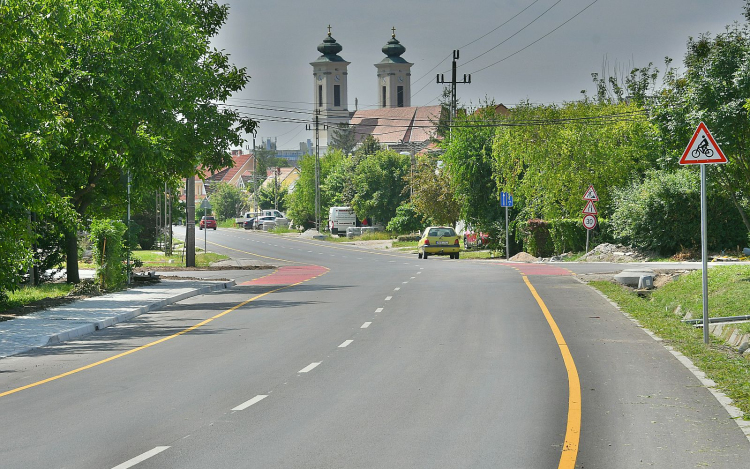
(330, 87)
(394, 76)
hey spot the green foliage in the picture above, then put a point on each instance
(468, 162)
(406, 220)
(549, 154)
(368, 146)
(433, 193)
(109, 253)
(537, 240)
(662, 213)
(302, 204)
(569, 234)
(273, 195)
(714, 89)
(227, 201)
(380, 183)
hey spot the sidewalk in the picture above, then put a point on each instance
(85, 316)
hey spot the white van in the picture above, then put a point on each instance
(341, 218)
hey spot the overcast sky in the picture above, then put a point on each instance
(277, 39)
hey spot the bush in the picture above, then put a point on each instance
(407, 238)
(569, 234)
(406, 220)
(662, 213)
(537, 240)
(109, 253)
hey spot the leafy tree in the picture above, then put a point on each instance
(406, 220)
(150, 107)
(302, 203)
(369, 146)
(344, 138)
(227, 201)
(714, 89)
(547, 155)
(468, 162)
(433, 193)
(380, 183)
(268, 197)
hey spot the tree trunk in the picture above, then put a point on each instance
(71, 251)
(739, 208)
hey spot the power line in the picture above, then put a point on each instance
(523, 49)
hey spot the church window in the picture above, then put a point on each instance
(384, 96)
(320, 95)
(336, 95)
(400, 95)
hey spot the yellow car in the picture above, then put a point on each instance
(439, 240)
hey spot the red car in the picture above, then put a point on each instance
(207, 222)
(476, 240)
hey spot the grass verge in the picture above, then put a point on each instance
(728, 289)
(156, 259)
(28, 295)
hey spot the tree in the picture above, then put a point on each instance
(343, 137)
(139, 105)
(714, 89)
(369, 146)
(227, 201)
(302, 203)
(433, 193)
(380, 184)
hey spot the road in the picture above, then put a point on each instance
(352, 358)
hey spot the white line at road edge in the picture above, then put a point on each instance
(365, 325)
(252, 401)
(380, 310)
(309, 367)
(388, 298)
(346, 342)
(141, 458)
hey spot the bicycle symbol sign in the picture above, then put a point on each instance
(702, 148)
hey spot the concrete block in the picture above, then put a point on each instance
(631, 277)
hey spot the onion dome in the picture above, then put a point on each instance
(330, 49)
(393, 50)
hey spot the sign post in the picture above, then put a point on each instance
(589, 212)
(506, 200)
(703, 150)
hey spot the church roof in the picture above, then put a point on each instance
(393, 51)
(330, 50)
(397, 124)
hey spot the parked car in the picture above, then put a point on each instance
(264, 219)
(245, 217)
(207, 222)
(440, 241)
(249, 223)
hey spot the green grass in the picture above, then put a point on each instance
(405, 244)
(228, 223)
(27, 295)
(282, 230)
(156, 259)
(481, 255)
(729, 292)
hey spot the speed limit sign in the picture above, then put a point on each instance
(589, 222)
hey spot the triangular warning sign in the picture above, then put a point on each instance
(591, 194)
(590, 208)
(702, 148)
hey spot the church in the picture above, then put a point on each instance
(395, 123)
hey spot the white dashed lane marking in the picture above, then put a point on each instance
(365, 325)
(309, 367)
(388, 298)
(346, 343)
(141, 458)
(380, 310)
(252, 401)
(397, 289)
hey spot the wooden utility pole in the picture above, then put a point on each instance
(453, 82)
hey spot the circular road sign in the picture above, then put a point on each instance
(589, 222)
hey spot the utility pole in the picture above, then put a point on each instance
(316, 127)
(190, 225)
(453, 82)
(255, 177)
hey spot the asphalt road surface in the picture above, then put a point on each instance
(345, 357)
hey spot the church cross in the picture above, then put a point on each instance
(329, 29)
(394, 31)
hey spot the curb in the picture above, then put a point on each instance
(95, 326)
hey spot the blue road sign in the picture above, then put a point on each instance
(506, 199)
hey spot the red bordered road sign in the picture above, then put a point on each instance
(702, 148)
(590, 208)
(591, 195)
(589, 222)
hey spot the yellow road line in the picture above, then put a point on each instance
(151, 344)
(573, 432)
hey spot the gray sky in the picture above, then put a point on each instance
(276, 40)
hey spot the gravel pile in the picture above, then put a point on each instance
(524, 257)
(615, 253)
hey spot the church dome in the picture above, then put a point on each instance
(330, 49)
(393, 48)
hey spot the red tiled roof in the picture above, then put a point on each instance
(396, 124)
